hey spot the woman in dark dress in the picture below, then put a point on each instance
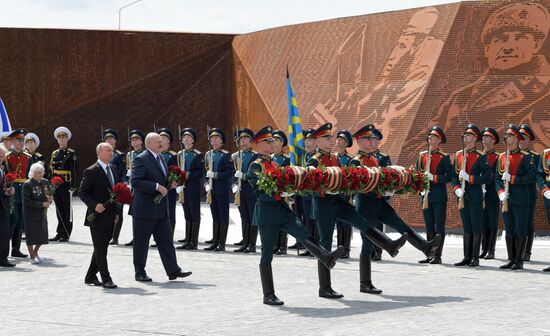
(36, 201)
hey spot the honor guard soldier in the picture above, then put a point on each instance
(136, 138)
(524, 145)
(489, 229)
(282, 159)
(18, 162)
(191, 160)
(516, 170)
(271, 214)
(327, 208)
(471, 174)
(376, 209)
(6, 141)
(63, 164)
(31, 144)
(383, 160)
(169, 157)
(244, 196)
(439, 173)
(110, 136)
(304, 202)
(344, 232)
(543, 182)
(219, 175)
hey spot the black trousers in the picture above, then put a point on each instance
(435, 217)
(17, 226)
(172, 200)
(62, 199)
(118, 226)
(246, 209)
(220, 217)
(160, 228)
(5, 233)
(100, 239)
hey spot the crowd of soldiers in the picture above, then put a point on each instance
(486, 184)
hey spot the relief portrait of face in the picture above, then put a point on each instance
(509, 49)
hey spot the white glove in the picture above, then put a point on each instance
(239, 174)
(209, 174)
(207, 187)
(502, 196)
(430, 176)
(287, 194)
(464, 176)
(234, 188)
(459, 192)
(422, 193)
(506, 177)
(547, 194)
(179, 189)
(129, 172)
(388, 193)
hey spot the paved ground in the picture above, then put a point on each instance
(223, 296)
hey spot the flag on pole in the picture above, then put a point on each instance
(5, 126)
(296, 143)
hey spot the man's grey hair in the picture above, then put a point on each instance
(101, 146)
(37, 167)
(149, 137)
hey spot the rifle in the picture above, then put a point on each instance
(101, 136)
(463, 182)
(507, 183)
(425, 203)
(181, 163)
(239, 168)
(210, 169)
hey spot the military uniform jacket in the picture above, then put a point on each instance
(442, 170)
(490, 190)
(248, 156)
(192, 161)
(281, 159)
(383, 159)
(63, 164)
(326, 159)
(533, 186)
(543, 176)
(119, 161)
(479, 171)
(130, 156)
(222, 168)
(522, 169)
(18, 163)
(268, 210)
(37, 157)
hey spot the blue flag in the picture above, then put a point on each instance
(5, 126)
(296, 143)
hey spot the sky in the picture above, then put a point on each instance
(206, 16)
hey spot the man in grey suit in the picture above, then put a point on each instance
(149, 179)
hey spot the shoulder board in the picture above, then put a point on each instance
(38, 154)
(254, 152)
(196, 151)
(525, 153)
(423, 152)
(258, 160)
(119, 152)
(358, 157)
(443, 153)
(534, 153)
(181, 152)
(224, 151)
(316, 156)
(70, 150)
(286, 156)
(477, 151)
(172, 152)
(349, 155)
(55, 152)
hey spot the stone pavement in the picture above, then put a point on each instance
(223, 296)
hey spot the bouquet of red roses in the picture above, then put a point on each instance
(120, 195)
(416, 182)
(55, 182)
(9, 179)
(175, 174)
(277, 180)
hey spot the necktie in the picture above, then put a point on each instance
(159, 161)
(110, 176)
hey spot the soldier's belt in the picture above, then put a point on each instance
(20, 180)
(62, 172)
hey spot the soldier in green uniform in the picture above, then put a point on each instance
(282, 159)
(110, 135)
(543, 182)
(524, 145)
(32, 141)
(271, 214)
(473, 175)
(439, 173)
(516, 170)
(491, 211)
(327, 208)
(63, 164)
(136, 138)
(344, 232)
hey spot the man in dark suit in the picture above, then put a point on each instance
(95, 188)
(149, 179)
(5, 231)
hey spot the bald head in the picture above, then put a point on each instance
(153, 142)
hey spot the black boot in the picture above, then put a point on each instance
(511, 249)
(366, 285)
(492, 241)
(346, 242)
(476, 241)
(244, 241)
(194, 237)
(380, 239)
(283, 242)
(266, 276)
(426, 247)
(521, 244)
(429, 236)
(215, 236)
(325, 288)
(529, 246)
(223, 238)
(467, 246)
(252, 238)
(485, 238)
(187, 240)
(327, 258)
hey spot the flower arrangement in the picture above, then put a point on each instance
(120, 194)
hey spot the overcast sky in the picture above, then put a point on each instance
(216, 16)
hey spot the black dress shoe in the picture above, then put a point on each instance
(220, 248)
(63, 239)
(211, 247)
(129, 243)
(56, 238)
(109, 285)
(250, 249)
(547, 269)
(241, 249)
(5, 263)
(436, 260)
(181, 241)
(329, 293)
(18, 254)
(425, 261)
(305, 254)
(345, 255)
(143, 278)
(376, 257)
(239, 243)
(211, 241)
(272, 300)
(465, 261)
(191, 246)
(368, 287)
(281, 251)
(178, 274)
(93, 282)
(182, 247)
(489, 256)
(113, 242)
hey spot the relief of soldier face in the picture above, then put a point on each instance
(402, 48)
(510, 49)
